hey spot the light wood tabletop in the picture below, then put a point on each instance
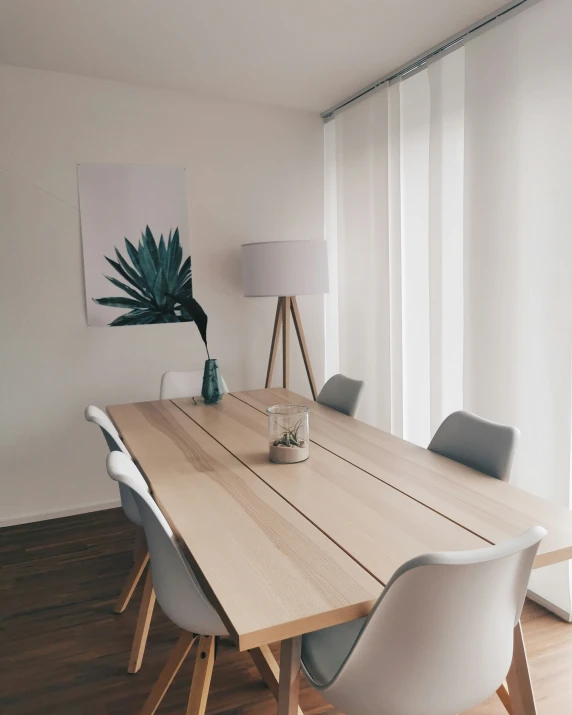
(379, 526)
(492, 509)
(269, 571)
(286, 549)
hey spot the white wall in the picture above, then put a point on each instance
(254, 174)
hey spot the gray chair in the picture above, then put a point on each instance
(342, 394)
(439, 640)
(475, 442)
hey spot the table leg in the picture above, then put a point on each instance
(268, 668)
(518, 679)
(289, 684)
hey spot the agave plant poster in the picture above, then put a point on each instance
(136, 247)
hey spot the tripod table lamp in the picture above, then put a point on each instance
(285, 269)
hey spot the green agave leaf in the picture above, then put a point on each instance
(137, 278)
(147, 266)
(160, 288)
(183, 277)
(118, 302)
(135, 318)
(123, 273)
(145, 302)
(173, 262)
(162, 254)
(198, 315)
(151, 246)
(134, 256)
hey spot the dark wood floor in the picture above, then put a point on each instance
(62, 650)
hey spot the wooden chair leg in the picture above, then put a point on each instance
(504, 697)
(132, 580)
(143, 623)
(289, 683)
(268, 668)
(178, 655)
(202, 676)
(518, 680)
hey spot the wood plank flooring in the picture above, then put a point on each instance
(64, 651)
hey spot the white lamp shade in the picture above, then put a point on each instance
(284, 268)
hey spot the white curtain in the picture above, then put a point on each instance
(394, 217)
(449, 209)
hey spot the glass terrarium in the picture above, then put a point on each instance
(289, 433)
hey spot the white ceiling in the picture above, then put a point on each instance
(304, 54)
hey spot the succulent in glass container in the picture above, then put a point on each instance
(288, 431)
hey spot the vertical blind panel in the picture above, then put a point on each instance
(331, 304)
(518, 364)
(415, 133)
(395, 268)
(446, 196)
(362, 191)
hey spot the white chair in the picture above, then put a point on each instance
(140, 553)
(475, 442)
(178, 592)
(439, 640)
(183, 384)
(342, 394)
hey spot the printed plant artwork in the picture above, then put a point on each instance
(136, 245)
(154, 278)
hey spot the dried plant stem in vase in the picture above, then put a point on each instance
(288, 430)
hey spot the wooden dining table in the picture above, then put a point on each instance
(282, 550)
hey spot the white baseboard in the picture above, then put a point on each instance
(44, 516)
(560, 612)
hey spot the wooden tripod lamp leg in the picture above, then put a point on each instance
(303, 347)
(286, 306)
(286, 343)
(274, 344)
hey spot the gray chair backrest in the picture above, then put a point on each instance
(177, 589)
(342, 394)
(475, 442)
(439, 641)
(111, 435)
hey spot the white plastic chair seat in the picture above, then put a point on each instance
(324, 651)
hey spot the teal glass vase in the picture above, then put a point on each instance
(212, 384)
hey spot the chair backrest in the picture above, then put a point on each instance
(475, 442)
(343, 394)
(178, 591)
(440, 639)
(183, 384)
(98, 417)
(111, 435)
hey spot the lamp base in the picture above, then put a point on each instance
(287, 305)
